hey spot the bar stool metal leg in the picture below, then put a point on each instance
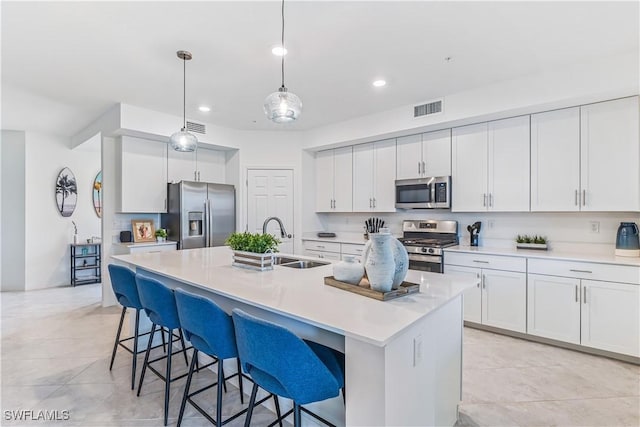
(184, 352)
(115, 345)
(296, 415)
(146, 357)
(135, 350)
(194, 362)
(240, 381)
(167, 384)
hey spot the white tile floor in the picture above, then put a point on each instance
(56, 345)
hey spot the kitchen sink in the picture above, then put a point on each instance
(304, 264)
(297, 263)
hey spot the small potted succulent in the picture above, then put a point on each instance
(161, 235)
(531, 242)
(253, 250)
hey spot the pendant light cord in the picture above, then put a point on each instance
(282, 43)
(184, 93)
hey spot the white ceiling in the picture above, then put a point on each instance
(64, 63)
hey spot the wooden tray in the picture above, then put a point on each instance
(363, 288)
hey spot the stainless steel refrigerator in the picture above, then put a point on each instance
(200, 214)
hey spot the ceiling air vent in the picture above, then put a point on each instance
(427, 109)
(196, 127)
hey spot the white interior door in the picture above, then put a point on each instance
(270, 193)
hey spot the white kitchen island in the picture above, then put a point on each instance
(403, 357)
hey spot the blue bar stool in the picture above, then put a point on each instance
(123, 283)
(285, 365)
(160, 305)
(210, 331)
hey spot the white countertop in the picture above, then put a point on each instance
(341, 237)
(549, 254)
(302, 294)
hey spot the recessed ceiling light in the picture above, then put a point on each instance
(204, 108)
(379, 83)
(279, 51)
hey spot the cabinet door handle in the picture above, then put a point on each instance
(584, 295)
(198, 175)
(195, 175)
(374, 202)
(581, 271)
(484, 282)
(484, 199)
(419, 172)
(577, 293)
(370, 203)
(424, 167)
(576, 196)
(490, 200)
(481, 262)
(584, 197)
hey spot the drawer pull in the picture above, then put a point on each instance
(581, 271)
(481, 262)
(320, 246)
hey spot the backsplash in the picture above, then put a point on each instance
(564, 230)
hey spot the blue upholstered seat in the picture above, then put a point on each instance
(159, 303)
(283, 364)
(123, 283)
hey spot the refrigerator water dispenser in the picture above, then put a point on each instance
(195, 223)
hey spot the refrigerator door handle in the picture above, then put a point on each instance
(206, 223)
(210, 228)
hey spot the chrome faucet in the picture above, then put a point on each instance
(283, 232)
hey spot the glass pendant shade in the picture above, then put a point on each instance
(183, 141)
(282, 106)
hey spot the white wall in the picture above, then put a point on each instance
(565, 231)
(48, 234)
(12, 220)
(607, 78)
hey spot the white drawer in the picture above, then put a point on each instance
(352, 249)
(586, 270)
(494, 262)
(316, 245)
(152, 248)
(331, 256)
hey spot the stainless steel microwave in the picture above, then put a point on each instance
(424, 193)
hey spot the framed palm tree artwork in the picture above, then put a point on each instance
(97, 194)
(66, 192)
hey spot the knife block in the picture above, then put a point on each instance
(473, 239)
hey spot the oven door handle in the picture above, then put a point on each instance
(425, 258)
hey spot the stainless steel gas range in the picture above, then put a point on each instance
(424, 240)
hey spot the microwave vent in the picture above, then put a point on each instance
(427, 109)
(196, 127)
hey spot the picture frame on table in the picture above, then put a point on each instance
(143, 230)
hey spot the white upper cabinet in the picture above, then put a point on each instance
(555, 160)
(334, 175)
(586, 158)
(436, 153)
(201, 165)
(374, 171)
(508, 179)
(181, 166)
(469, 161)
(422, 155)
(141, 175)
(610, 156)
(490, 166)
(210, 165)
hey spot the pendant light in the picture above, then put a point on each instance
(183, 140)
(282, 106)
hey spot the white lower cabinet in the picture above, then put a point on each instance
(500, 297)
(600, 314)
(553, 307)
(333, 251)
(331, 256)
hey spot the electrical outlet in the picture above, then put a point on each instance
(595, 226)
(417, 350)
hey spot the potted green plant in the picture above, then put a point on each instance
(253, 250)
(161, 234)
(531, 242)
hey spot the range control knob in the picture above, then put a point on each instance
(431, 250)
